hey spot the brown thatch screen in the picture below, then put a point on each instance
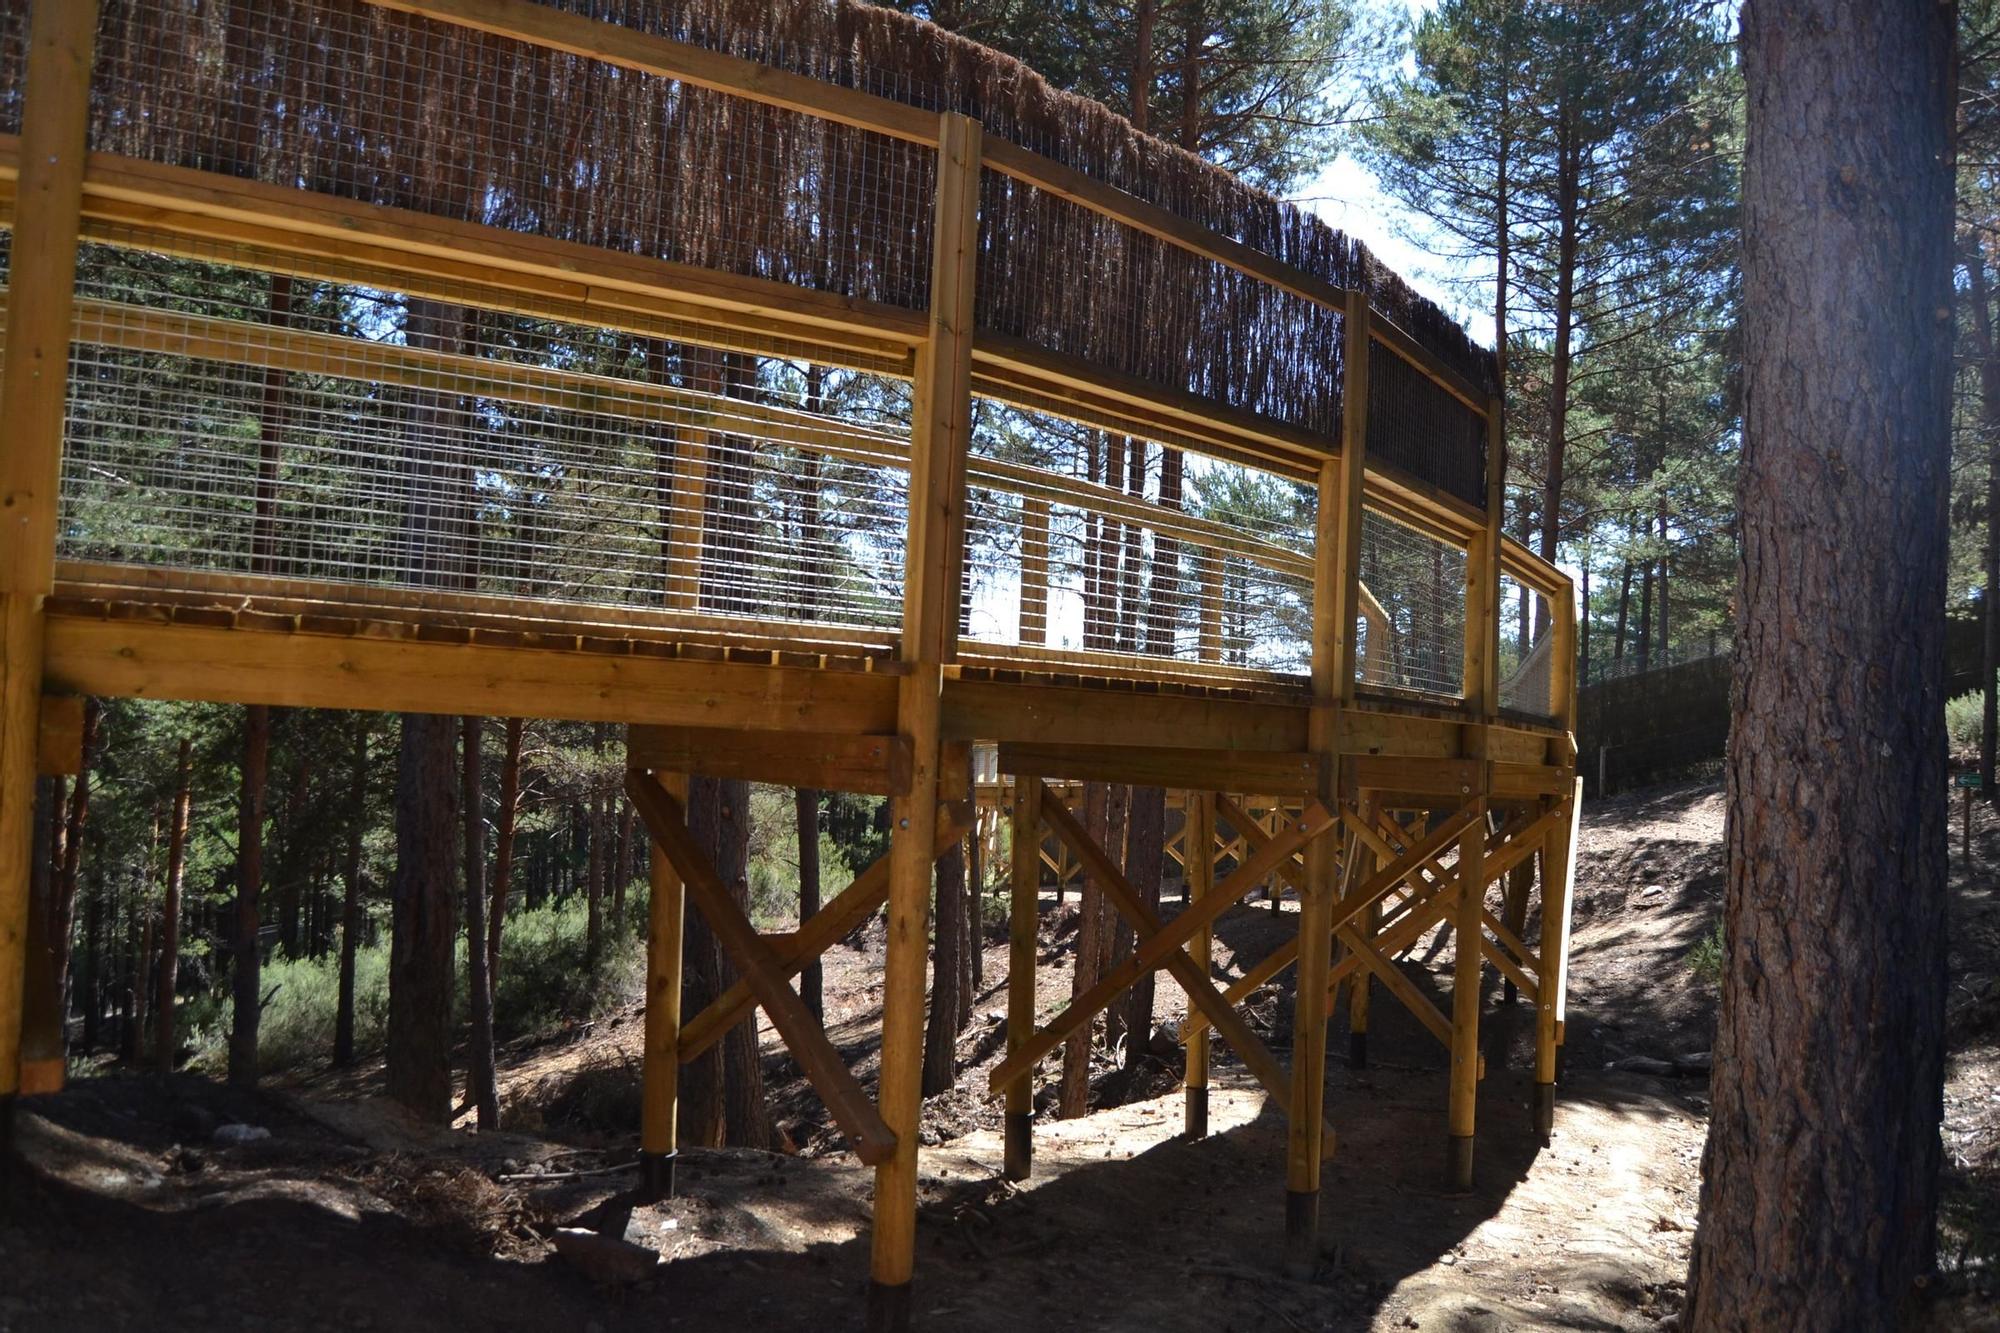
(342, 97)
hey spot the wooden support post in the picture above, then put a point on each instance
(1556, 879)
(941, 431)
(1199, 863)
(659, 1107)
(1336, 598)
(1359, 991)
(1465, 1006)
(1034, 626)
(1209, 619)
(1023, 917)
(688, 517)
(48, 201)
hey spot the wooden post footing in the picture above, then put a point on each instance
(1458, 1162)
(656, 1175)
(1301, 1233)
(888, 1307)
(1545, 1113)
(7, 1101)
(1195, 1122)
(1357, 1050)
(1020, 1145)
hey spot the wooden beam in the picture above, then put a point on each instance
(33, 387)
(1277, 774)
(151, 660)
(933, 546)
(857, 1117)
(59, 737)
(1158, 949)
(873, 765)
(1060, 714)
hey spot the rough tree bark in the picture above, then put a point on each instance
(483, 1093)
(947, 975)
(246, 979)
(1820, 1193)
(503, 846)
(170, 910)
(702, 1123)
(748, 1120)
(350, 907)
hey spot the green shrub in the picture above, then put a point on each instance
(297, 1024)
(1705, 960)
(1962, 719)
(546, 979)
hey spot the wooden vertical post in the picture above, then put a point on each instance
(1023, 916)
(659, 1114)
(1034, 570)
(33, 386)
(941, 429)
(1359, 993)
(1336, 595)
(1558, 875)
(1482, 696)
(1209, 641)
(687, 516)
(1198, 863)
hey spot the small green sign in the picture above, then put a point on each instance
(1970, 781)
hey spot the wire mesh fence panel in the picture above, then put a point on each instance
(225, 420)
(345, 98)
(1410, 629)
(1082, 541)
(1527, 650)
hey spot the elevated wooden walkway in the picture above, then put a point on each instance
(580, 476)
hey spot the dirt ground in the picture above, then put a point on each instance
(130, 1213)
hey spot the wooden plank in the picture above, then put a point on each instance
(825, 928)
(150, 660)
(1041, 714)
(874, 765)
(1201, 992)
(857, 1117)
(1276, 774)
(1157, 949)
(1473, 876)
(59, 736)
(33, 385)
(1450, 778)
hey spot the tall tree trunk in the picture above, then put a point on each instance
(1145, 866)
(702, 1122)
(165, 1046)
(483, 1092)
(247, 972)
(424, 921)
(1979, 297)
(292, 833)
(1074, 1096)
(1569, 223)
(503, 846)
(806, 804)
(1624, 611)
(1820, 1190)
(350, 907)
(743, 1079)
(62, 915)
(947, 975)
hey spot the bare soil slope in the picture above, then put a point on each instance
(129, 1214)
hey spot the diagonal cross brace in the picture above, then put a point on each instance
(1378, 886)
(1158, 950)
(814, 937)
(1191, 976)
(874, 1142)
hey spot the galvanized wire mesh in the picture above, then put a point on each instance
(223, 420)
(1070, 548)
(1413, 636)
(349, 99)
(1527, 650)
(1417, 427)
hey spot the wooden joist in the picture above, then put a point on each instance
(1276, 773)
(872, 765)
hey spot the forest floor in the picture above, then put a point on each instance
(131, 1213)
